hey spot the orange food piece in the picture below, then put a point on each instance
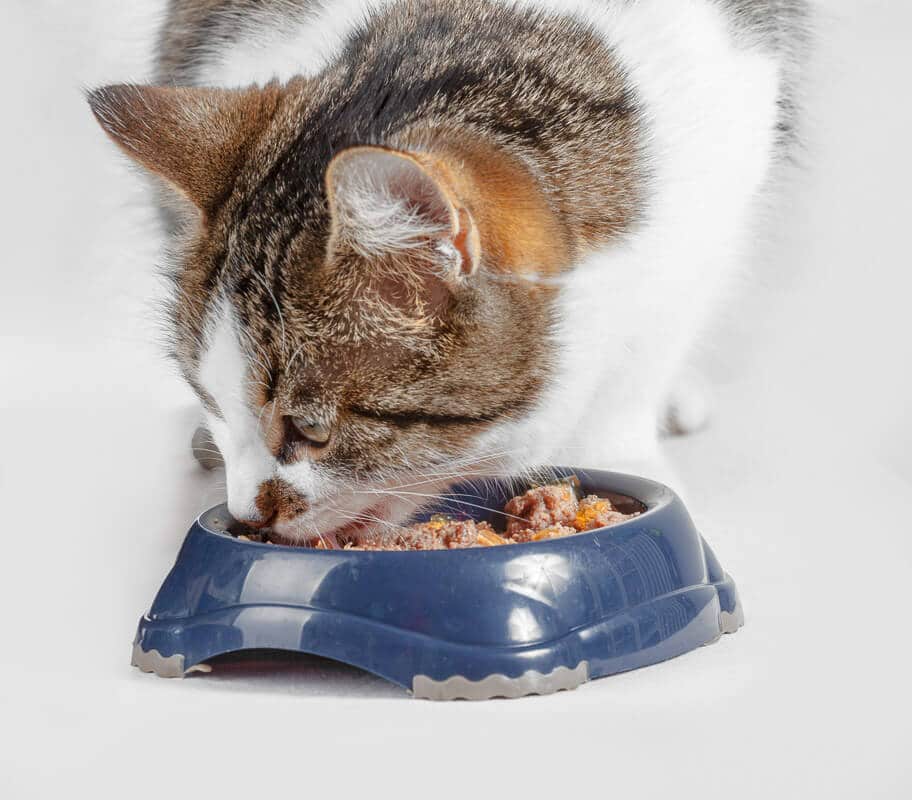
(488, 537)
(596, 512)
(553, 532)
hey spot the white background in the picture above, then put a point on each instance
(803, 485)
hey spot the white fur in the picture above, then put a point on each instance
(381, 224)
(371, 208)
(629, 313)
(711, 112)
(224, 374)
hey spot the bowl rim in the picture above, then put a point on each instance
(655, 496)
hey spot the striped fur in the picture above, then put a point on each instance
(576, 180)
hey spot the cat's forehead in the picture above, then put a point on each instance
(301, 303)
(308, 352)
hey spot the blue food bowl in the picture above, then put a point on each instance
(474, 623)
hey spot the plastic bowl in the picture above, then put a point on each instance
(475, 623)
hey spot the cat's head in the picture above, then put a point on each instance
(353, 316)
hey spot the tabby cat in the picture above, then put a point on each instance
(424, 239)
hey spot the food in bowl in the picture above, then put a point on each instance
(549, 511)
(440, 532)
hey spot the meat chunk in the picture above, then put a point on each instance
(554, 532)
(542, 507)
(438, 533)
(596, 512)
(543, 512)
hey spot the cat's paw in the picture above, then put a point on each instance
(205, 450)
(687, 409)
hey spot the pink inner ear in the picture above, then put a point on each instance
(466, 243)
(384, 202)
(409, 182)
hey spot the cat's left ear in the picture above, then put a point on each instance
(385, 202)
(195, 139)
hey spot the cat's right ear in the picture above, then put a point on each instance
(387, 203)
(195, 139)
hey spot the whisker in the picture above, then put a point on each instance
(447, 499)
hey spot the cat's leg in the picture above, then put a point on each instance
(621, 440)
(688, 405)
(205, 450)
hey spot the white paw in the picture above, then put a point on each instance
(688, 407)
(205, 450)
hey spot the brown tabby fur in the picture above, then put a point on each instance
(538, 154)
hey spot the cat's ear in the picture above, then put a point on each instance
(195, 139)
(386, 202)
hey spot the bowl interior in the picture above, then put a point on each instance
(483, 499)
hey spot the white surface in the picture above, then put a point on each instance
(803, 484)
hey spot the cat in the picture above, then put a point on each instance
(421, 240)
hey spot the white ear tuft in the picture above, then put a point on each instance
(385, 202)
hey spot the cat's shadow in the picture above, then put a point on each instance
(299, 674)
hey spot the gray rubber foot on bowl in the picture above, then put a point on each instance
(153, 661)
(205, 450)
(531, 682)
(730, 622)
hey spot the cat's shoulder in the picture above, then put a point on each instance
(235, 42)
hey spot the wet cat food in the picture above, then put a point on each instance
(542, 508)
(544, 512)
(439, 533)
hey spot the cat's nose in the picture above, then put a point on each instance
(277, 500)
(247, 516)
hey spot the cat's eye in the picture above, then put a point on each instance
(314, 432)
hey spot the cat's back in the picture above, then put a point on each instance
(619, 104)
(232, 42)
(709, 80)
